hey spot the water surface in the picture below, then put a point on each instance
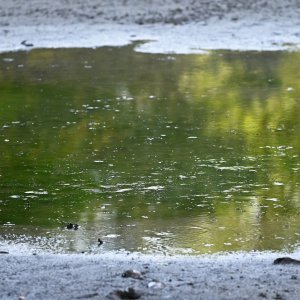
(150, 153)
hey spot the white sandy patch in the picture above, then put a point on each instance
(183, 26)
(162, 38)
(80, 276)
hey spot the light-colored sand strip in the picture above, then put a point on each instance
(200, 25)
(234, 276)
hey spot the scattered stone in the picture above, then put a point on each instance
(278, 297)
(72, 226)
(286, 261)
(4, 252)
(131, 293)
(294, 277)
(156, 285)
(69, 226)
(262, 295)
(132, 274)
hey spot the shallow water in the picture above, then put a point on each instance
(150, 153)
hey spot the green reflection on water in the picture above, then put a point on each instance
(152, 153)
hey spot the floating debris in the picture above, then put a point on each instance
(26, 44)
(72, 226)
(123, 190)
(290, 89)
(154, 188)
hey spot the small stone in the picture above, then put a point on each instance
(72, 226)
(132, 274)
(278, 297)
(131, 293)
(294, 277)
(87, 296)
(286, 261)
(69, 226)
(156, 285)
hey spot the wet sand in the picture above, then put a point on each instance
(170, 26)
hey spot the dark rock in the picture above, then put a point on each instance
(262, 295)
(100, 242)
(72, 226)
(132, 274)
(286, 261)
(131, 293)
(278, 297)
(4, 252)
(69, 226)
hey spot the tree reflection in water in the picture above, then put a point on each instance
(152, 153)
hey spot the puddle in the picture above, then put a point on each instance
(151, 153)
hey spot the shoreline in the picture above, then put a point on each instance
(176, 27)
(79, 276)
(195, 38)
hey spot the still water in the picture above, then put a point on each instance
(150, 153)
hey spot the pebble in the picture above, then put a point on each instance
(72, 226)
(286, 261)
(131, 293)
(155, 285)
(132, 274)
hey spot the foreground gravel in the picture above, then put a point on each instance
(234, 276)
(140, 12)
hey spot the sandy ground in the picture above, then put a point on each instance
(172, 27)
(80, 276)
